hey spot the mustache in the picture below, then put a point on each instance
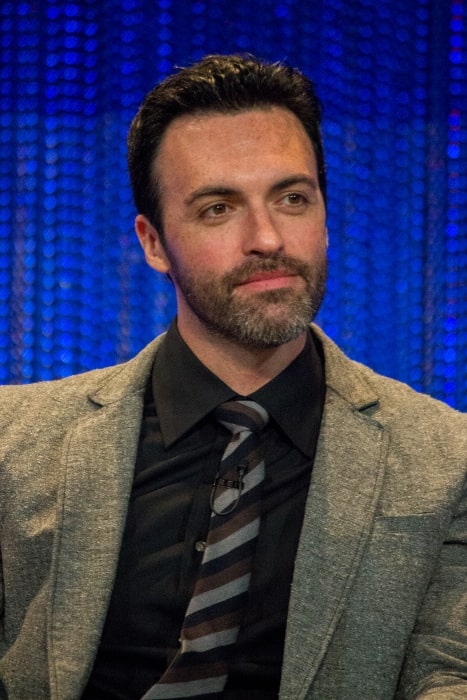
(282, 263)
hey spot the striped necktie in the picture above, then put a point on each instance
(215, 612)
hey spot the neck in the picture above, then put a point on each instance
(244, 369)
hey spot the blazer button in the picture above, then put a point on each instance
(200, 546)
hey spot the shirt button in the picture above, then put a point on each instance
(200, 546)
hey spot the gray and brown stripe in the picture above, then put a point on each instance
(215, 611)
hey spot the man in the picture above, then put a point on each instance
(356, 577)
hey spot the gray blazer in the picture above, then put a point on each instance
(378, 606)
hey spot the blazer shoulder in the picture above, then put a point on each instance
(390, 402)
(105, 385)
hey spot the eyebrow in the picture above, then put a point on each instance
(221, 191)
(209, 191)
(295, 180)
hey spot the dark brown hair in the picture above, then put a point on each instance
(222, 84)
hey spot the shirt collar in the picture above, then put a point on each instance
(295, 398)
(185, 392)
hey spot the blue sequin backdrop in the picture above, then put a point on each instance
(75, 291)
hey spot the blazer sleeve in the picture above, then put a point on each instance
(436, 660)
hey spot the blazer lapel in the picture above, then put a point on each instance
(99, 457)
(346, 482)
(99, 468)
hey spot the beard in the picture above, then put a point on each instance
(261, 319)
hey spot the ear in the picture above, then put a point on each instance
(151, 243)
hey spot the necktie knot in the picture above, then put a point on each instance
(242, 414)
(245, 420)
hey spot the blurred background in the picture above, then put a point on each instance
(75, 293)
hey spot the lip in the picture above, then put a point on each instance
(268, 280)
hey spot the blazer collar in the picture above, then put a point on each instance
(123, 379)
(345, 377)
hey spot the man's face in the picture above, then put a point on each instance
(244, 225)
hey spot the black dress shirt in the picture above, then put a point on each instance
(180, 449)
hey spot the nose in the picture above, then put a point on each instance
(262, 235)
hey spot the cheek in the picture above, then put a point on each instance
(320, 251)
(306, 243)
(197, 260)
(211, 253)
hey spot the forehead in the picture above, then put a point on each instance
(206, 144)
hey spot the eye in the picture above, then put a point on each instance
(215, 210)
(295, 199)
